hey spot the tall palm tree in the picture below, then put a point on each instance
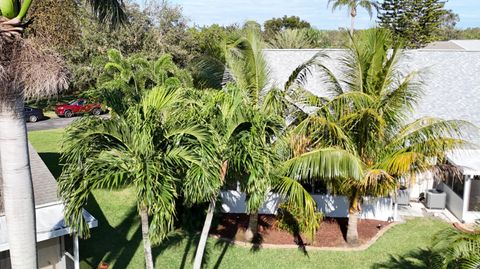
(150, 148)
(352, 6)
(26, 72)
(366, 113)
(249, 124)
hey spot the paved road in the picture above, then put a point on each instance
(52, 123)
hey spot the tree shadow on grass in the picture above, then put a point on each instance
(110, 244)
(52, 160)
(415, 259)
(174, 239)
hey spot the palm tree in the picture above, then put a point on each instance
(292, 39)
(150, 148)
(366, 114)
(457, 249)
(26, 72)
(352, 6)
(249, 124)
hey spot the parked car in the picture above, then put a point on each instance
(33, 114)
(78, 107)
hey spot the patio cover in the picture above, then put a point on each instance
(50, 224)
(467, 160)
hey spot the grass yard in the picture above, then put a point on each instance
(117, 240)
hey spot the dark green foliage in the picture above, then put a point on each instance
(275, 25)
(293, 220)
(415, 22)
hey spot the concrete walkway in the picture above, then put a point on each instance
(418, 209)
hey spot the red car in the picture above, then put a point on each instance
(77, 107)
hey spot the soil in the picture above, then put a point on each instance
(332, 231)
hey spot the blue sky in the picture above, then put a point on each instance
(206, 12)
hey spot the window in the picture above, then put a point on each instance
(456, 183)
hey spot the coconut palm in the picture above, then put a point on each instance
(25, 72)
(151, 148)
(366, 113)
(457, 249)
(352, 6)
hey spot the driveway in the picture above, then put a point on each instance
(53, 123)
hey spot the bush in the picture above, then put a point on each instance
(292, 219)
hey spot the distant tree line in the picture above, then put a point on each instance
(158, 28)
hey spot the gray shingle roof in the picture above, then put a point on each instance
(44, 184)
(452, 78)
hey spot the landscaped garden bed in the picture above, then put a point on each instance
(331, 233)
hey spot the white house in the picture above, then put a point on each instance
(57, 248)
(452, 91)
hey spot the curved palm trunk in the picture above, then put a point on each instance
(252, 229)
(147, 247)
(17, 186)
(197, 264)
(352, 229)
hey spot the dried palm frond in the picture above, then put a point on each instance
(28, 72)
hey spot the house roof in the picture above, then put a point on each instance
(450, 78)
(44, 184)
(467, 160)
(48, 207)
(465, 45)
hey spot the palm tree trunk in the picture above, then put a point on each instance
(197, 264)
(147, 247)
(352, 229)
(353, 14)
(18, 196)
(252, 229)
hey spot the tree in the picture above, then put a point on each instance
(276, 25)
(447, 27)
(415, 22)
(366, 113)
(352, 6)
(150, 143)
(25, 72)
(151, 148)
(292, 39)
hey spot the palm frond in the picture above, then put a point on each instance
(109, 11)
(327, 163)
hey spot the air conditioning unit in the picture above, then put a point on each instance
(436, 199)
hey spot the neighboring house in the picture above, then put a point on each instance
(469, 45)
(57, 249)
(451, 80)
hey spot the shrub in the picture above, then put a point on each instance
(290, 218)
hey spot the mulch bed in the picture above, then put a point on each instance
(331, 233)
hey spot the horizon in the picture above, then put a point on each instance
(316, 12)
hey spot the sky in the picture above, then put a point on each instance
(225, 12)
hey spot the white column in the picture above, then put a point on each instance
(76, 252)
(466, 194)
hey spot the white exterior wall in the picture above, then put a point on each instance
(423, 182)
(50, 255)
(330, 205)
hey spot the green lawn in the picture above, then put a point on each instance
(117, 240)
